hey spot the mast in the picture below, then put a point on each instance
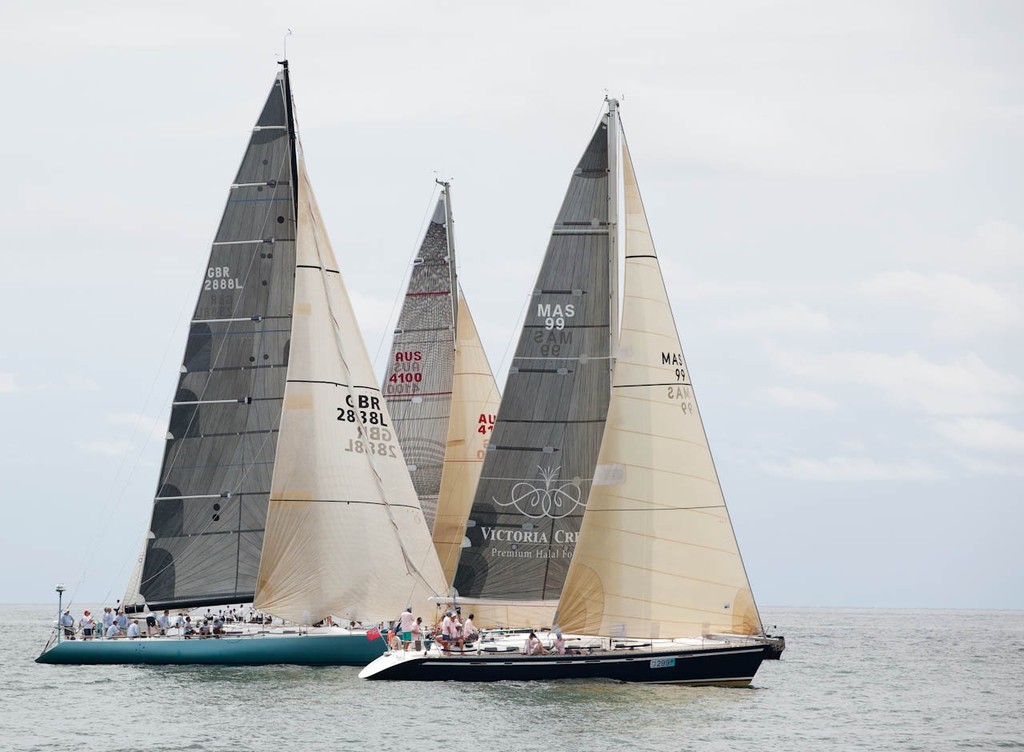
(292, 138)
(613, 233)
(452, 273)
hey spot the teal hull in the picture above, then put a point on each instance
(302, 650)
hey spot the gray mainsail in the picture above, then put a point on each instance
(211, 502)
(540, 463)
(418, 381)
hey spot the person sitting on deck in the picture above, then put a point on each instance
(469, 631)
(187, 629)
(533, 645)
(558, 646)
(133, 629)
(112, 632)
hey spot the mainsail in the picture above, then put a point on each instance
(657, 556)
(211, 500)
(440, 388)
(418, 380)
(539, 465)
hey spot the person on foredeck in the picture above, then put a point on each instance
(406, 622)
(87, 625)
(67, 621)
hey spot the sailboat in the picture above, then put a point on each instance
(440, 389)
(282, 481)
(655, 590)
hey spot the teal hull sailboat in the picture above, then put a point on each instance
(340, 648)
(283, 483)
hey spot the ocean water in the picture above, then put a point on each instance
(851, 679)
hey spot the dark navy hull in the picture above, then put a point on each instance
(776, 646)
(733, 666)
(257, 650)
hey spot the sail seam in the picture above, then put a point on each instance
(332, 383)
(344, 501)
(665, 383)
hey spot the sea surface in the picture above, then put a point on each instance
(851, 679)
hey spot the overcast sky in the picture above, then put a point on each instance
(836, 191)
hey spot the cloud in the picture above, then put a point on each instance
(105, 448)
(7, 383)
(990, 467)
(155, 429)
(72, 383)
(959, 306)
(993, 246)
(801, 399)
(997, 244)
(851, 469)
(790, 319)
(982, 434)
(964, 386)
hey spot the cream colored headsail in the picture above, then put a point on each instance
(474, 406)
(656, 556)
(345, 534)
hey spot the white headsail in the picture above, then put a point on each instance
(656, 556)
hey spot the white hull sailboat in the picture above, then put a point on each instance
(655, 574)
(282, 483)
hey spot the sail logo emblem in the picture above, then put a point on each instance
(552, 499)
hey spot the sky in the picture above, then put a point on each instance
(836, 192)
